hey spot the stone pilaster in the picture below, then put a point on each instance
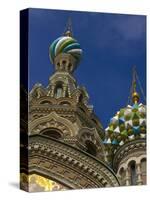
(127, 177)
(52, 90)
(64, 90)
(139, 174)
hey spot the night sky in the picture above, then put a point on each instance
(111, 43)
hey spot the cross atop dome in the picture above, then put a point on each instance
(130, 122)
(65, 52)
(134, 96)
(68, 29)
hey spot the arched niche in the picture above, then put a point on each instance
(133, 172)
(52, 121)
(52, 133)
(81, 98)
(46, 102)
(91, 147)
(90, 141)
(58, 92)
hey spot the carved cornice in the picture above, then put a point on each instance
(71, 112)
(126, 149)
(52, 121)
(92, 135)
(72, 158)
(52, 100)
(50, 108)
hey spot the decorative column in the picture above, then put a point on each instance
(139, 174)
(38, 93)
(52, 90)
(127, 176)
(69, 92)
(64, 90)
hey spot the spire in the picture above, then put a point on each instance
(135, 95)
(68, 29)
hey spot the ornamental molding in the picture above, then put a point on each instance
(52, 121)
(92, 135)
(136, 156)
(50, 108)
(59, 74)
(71, 113)
(60, 173)
(127, 149)
(70, 157)
(52, 100)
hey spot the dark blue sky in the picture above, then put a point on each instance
(111, 43)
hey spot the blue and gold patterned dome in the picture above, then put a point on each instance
(65, 44)
(128, 124)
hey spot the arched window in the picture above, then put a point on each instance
(133, 175)
(143, 170)
(91, 148)
(58, 91)
(53, 133)
(45, 102)
(80, 98)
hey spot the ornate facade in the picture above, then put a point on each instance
(66, 145)
(125, 138)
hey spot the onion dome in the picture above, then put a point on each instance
(128, 124)
(65, 44)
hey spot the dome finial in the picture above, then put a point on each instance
(135, 95)
(68, 29)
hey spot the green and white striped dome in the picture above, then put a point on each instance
(65, 44)
(128, 124)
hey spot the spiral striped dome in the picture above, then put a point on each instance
(65, 44)
(128, 124)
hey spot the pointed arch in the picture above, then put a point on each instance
(52, 121)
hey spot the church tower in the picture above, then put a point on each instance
(125, 139)
(65, 102)
(65, 136)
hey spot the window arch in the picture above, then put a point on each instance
(45, 102)
(81, 98)
(58, 90)
(53, 133)
(91, 147)
(133, 173)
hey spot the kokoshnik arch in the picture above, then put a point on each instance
(67, 146)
